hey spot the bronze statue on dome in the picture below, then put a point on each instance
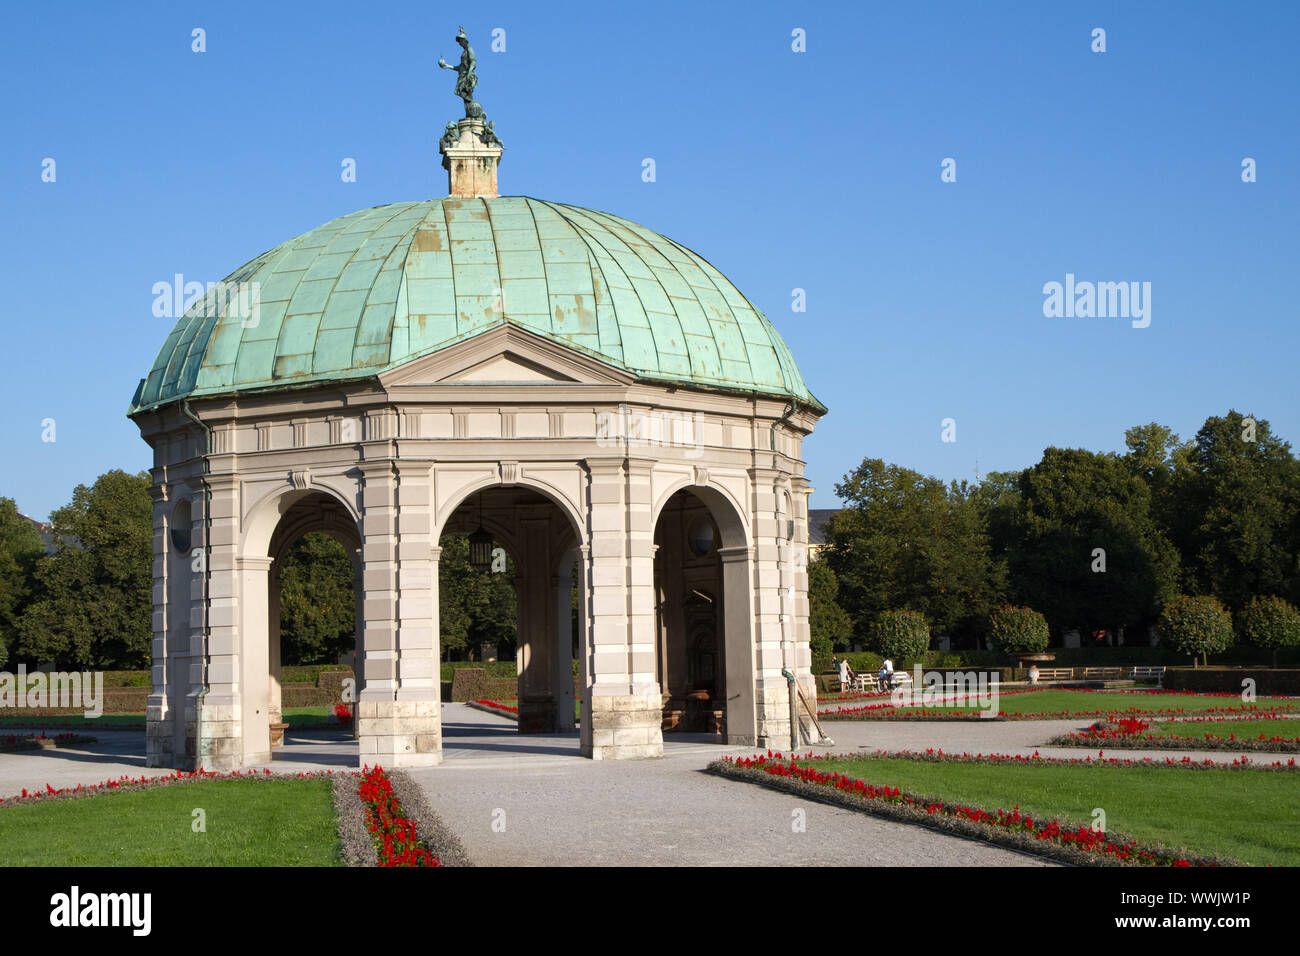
(466, 79)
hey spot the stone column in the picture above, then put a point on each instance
(159, 725)
(214, 719)
(738, 642)
(375, 717)
(772, 627)
(398, 713)
(800, 490)
(254, 661)
(562, 646)
(273, 644)
(534, 590)
(626, 707)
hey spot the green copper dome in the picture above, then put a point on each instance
(378, 288)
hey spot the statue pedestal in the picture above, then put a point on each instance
(471, 164)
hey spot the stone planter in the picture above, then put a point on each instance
(277, 734)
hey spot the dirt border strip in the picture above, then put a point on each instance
(355, 844)
(433, 831)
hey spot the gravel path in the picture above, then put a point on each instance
(546, 806)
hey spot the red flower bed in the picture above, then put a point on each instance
(1133, 732)
(395, 836)
(497, 705)
(1082, 838)
(343, 715)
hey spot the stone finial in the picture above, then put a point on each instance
(471, 153)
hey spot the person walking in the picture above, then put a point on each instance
(846, 676)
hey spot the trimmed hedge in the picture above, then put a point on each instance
(902, 634)
(1196, 625)
(1018, 630)
(309, 673)
(474, 683)
(492, 668)
(1227, 680)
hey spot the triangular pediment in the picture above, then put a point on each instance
(508, 367)
(507, 355)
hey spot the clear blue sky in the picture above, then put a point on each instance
(816, 170)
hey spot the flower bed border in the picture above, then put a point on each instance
(1104, 732)
(17, 743)
(492, 707)
(922, 811)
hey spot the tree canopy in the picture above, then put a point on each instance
(907, 541)
(92, 604)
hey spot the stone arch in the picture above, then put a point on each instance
(560, 499)
(728, 513)
(273, 523)
(734, 611)
(542, 549)
(262, 519)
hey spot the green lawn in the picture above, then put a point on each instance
(1253, 816)
(249, 823)
(1083, 702)
(1243, 729)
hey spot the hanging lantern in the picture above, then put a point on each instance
(480, 549)
(480, 544)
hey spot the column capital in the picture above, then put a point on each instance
(741, 552)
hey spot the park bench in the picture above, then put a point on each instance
(1147, 673)
(1055, 673)
(864, 682)
(1103, 673)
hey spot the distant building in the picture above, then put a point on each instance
(45, 530)
(817, 517)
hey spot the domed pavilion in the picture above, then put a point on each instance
(578, 390)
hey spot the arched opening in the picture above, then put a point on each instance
(533, 552)
(313, 562)
(703, 638)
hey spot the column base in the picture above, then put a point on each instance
(537, 715)
(222, 747)
(625, 727)
(399, 733)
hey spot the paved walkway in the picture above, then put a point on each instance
(532, 801)
(522, 801)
